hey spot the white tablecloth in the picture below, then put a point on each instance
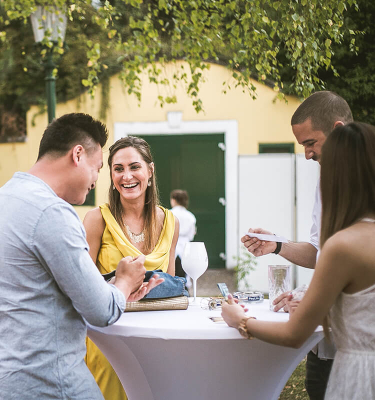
(183, 355)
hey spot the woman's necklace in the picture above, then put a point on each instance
(134, 237)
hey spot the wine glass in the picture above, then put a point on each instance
(194, 262)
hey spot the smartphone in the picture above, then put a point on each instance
(223, 289)
(109, 276)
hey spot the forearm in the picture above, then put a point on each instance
(278, 333)
(292, 333)
(123, 286)
(303, 253)
(172, 262)
(171, 267)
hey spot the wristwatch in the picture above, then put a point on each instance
(242, 328)
(278, 248)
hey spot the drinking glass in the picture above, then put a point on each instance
(279, 281)
(194, 262)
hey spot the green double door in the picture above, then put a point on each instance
(195, 163)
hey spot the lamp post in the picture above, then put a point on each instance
(51, 23)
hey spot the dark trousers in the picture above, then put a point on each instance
(178, 270)
(317, 375)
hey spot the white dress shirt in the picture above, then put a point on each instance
(324, 349)
(316, 217)
(187, 227)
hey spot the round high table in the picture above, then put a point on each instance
(184, 355)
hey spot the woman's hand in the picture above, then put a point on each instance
(145, 288)
(232, 313)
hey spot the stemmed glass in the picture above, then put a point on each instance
(194, 262)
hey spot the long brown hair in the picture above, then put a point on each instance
(347, 180)
(347, 177)
(152, 192)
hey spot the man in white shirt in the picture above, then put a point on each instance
(311, 123)
(179, 202)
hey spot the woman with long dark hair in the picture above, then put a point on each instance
(132, 223)
(342, 292)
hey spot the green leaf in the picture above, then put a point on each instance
(278, 39)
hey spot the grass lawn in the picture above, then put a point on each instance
(295, 387)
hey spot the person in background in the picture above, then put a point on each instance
(179, 201)
(131, 224)
(49, 285)
(312, 123)
(343, 284)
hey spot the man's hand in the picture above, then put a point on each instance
(145, 288)
(130, 274)
(292, 306)
(258, 247)
(286, 302)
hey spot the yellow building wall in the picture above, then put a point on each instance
(259, 121)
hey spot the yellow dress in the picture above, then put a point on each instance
(115, 246)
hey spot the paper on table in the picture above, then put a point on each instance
(218, 320)
(268, 238)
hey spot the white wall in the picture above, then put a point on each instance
(276, 193)
(266, 200)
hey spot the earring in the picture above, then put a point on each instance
(149, 182)
(114, 187)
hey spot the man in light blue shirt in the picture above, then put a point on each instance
(49, 285)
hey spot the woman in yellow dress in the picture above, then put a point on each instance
(131, 224)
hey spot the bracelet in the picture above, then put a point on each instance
(242, 328)
(278, 248)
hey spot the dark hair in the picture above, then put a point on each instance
(152, 192)
(181, 197)
(324, 108)
(347, 177)
(69, 130)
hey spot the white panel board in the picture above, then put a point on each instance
(266, 200)
(307, 176)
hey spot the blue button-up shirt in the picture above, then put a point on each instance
(49, 286)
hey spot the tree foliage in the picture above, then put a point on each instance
(353, 72)
(22, 68)
(356, 70)
(247, 35)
